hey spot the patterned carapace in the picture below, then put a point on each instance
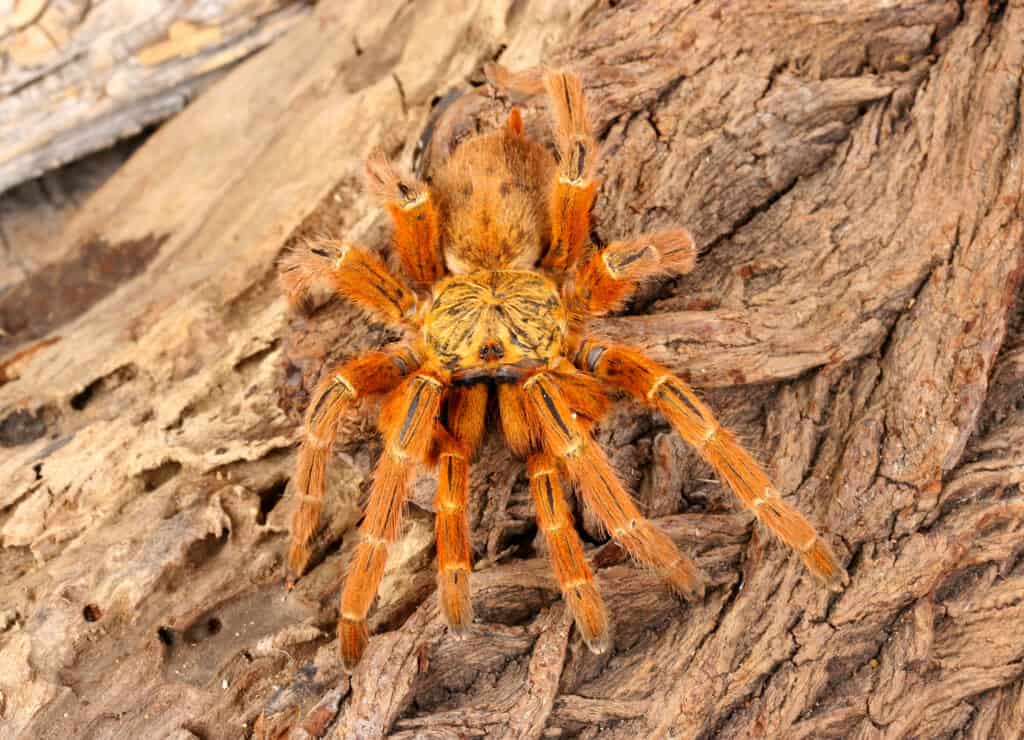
(495, 324)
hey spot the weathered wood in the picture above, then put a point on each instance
(33, 214)
(76, 76)
(854, 179)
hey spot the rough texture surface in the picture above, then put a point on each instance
(78, 75)
(853, 178)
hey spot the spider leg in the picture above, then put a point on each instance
(574, 187)
(569, 441)
(662, 390)
(566, 552)
(408, 422)
(454, 551)
(520, 432)
(415, 216)
(467, 412)
(606, 280)
(352, 271)
(371, 374)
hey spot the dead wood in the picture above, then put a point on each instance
(77, 76)
(852, 173)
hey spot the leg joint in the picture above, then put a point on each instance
(429, 380)
(709, 436)
(340, 255)
(589, 355)
(573, 182)
(345, 383)
(575, 583)
(768, 494)
(658, 382)
(533, 379)
(316, 442)
(412, 199)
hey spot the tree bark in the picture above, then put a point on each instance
(852, 174)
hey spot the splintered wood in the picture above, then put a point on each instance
(852, 181)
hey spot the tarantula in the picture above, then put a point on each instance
(501, 237)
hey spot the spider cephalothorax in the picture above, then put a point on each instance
(497, 324)
(500, 236)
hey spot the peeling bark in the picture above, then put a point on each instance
(853, 178)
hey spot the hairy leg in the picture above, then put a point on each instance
(467, 414)
(408, 422)
(574, 187)
(377, 372)
(415, 217)
(352, 271)
(568, 440)
(662, 390)
(566, 552)
(607, 280)
(454, 551)
(467, 411)
(520, 432)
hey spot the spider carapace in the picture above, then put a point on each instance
(500, 240)
(495, 325)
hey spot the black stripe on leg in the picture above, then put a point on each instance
(307, 477)
(581, 160)
(399, 362)
(549, 493)
(550, 403)
(682, 397)
(382, 283)
(617, 262)
(319, 406)
(410, 414)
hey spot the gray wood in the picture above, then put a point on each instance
(77, 76)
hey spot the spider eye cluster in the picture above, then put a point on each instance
(491, 350)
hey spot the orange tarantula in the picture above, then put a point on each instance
(500, 237)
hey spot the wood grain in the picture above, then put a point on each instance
(76, 76)
(853, 178)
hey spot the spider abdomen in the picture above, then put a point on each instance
(493, 195)
(495, 324)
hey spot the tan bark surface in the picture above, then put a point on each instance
(853, 176)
